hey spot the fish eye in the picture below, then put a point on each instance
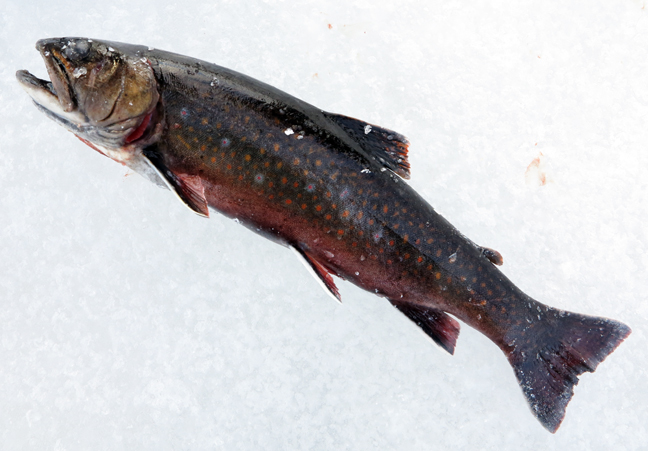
(77, 50)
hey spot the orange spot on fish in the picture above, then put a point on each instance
(276, 147)
(288, 201)
(248, 157)
(385, 209)
(296, 161)
(318, 208)
(340, 232)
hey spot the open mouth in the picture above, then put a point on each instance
(45, 92)
(25, 78)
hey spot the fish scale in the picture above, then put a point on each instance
(390, 208)
(328, 186)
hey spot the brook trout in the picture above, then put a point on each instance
(328, 186)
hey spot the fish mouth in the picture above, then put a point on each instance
(55, 97)
(59, 87)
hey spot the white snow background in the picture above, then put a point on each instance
(129, 323)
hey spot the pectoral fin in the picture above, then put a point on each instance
(189, 188)
(320, 272)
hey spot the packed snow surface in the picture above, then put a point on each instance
(127, 322)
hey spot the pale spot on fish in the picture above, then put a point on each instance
(289, 131)
(79, 72)
(367, 129)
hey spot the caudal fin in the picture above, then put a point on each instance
(553, 353)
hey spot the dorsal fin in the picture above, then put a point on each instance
(387, 147)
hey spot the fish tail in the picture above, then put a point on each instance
(551, 353)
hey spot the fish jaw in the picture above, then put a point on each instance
(44, 96)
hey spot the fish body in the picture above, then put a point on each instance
(328, 186)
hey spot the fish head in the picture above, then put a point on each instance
(103, 92)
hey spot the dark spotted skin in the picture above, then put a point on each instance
(318, 182)
(312, 189)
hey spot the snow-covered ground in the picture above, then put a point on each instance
(126, 322)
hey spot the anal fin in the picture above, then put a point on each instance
(439, 326)
(320, 272)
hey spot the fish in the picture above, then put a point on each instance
(329, 187)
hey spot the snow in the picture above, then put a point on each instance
(129, 323)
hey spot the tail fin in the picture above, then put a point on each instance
(548, 361)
